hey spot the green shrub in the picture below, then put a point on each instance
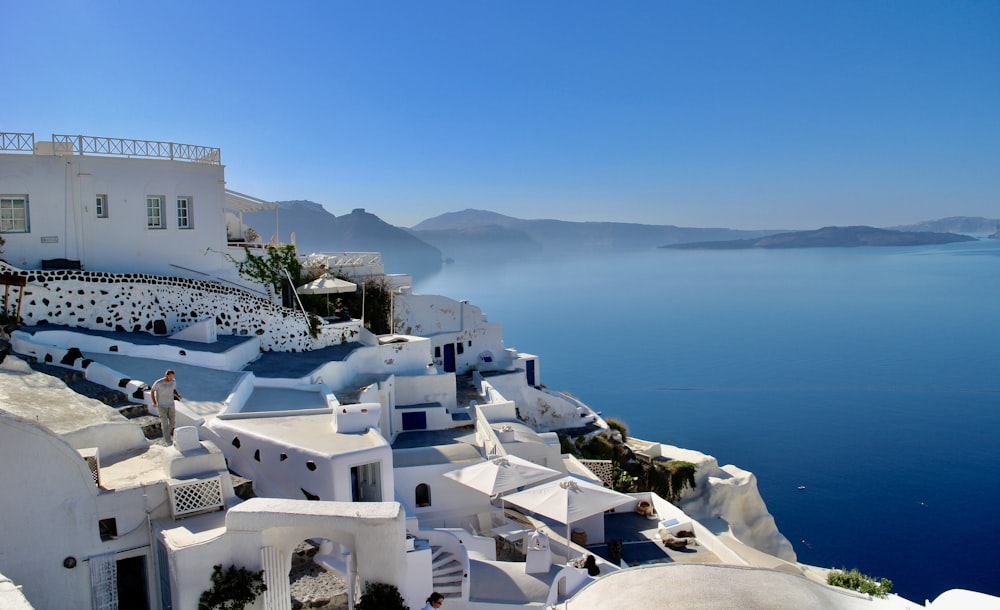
(566, 444)
(380, 596)
(599, 447)
(856, 581)
(619, 425)
(625, 482)
(234, 589)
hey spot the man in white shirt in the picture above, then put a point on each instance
(163, 393)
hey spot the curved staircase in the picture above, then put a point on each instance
(446, 571)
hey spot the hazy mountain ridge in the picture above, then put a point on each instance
(955, 224)
(832, 237)
(317, 230)
(472, 232)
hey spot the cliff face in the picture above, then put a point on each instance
(730, 493)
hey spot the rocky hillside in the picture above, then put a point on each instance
(317, 230)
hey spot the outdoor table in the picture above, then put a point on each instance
(512, 533)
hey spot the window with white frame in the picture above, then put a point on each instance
(184, 219)
(13, 213)
(154, 212)
(101, 206)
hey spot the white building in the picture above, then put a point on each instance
(116, 205)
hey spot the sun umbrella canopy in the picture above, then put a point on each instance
(568, 499)
(501, 474)
(327, 285)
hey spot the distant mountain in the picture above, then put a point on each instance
(832, 237)
(466, 219)
(317, 230)
(955, 224)
(478, 232)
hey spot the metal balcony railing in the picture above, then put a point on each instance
(149, 149)
(17, 142)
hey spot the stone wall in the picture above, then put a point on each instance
(134, 302)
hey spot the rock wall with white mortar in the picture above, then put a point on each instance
(134, 302)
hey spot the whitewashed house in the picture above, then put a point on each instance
(116, 205)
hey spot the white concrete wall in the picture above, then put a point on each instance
(277, 478)
(49, 503)
(543, 409)
(61, 193)
(446, 321)
(451, 502)
(412, 390)
(233, 359)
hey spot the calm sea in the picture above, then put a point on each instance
(871, 376)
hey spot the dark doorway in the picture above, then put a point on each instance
(416, 420)
(530, 371)
(132, 591)
(449, 357)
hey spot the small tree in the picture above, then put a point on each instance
(234, 589)
(380, 596)
(378, 305)
(271, 269)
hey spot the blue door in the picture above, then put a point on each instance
(449, 357)
(530, 371)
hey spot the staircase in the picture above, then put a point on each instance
(137, 413)
(447, 573)
(466, 393)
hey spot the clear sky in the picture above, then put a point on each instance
(762, 114)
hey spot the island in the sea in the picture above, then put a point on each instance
(831, 237)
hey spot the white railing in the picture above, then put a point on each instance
(195, 496)
(19, 142)
(138, 148)
(352, 264)
(488, 436)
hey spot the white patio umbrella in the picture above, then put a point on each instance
(501, 474)
(326, 285)
(568, 499)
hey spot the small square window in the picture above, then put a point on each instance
(101, 206)
(184, 219)
(108, 528)
(460, 347)
(13, 214)
(154, 212)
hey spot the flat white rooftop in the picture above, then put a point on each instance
(309, 431)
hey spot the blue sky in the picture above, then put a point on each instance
(765, 114)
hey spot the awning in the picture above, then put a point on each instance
(245, 203)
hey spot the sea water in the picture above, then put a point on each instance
(868, 376)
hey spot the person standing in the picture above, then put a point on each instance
(163, 394)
